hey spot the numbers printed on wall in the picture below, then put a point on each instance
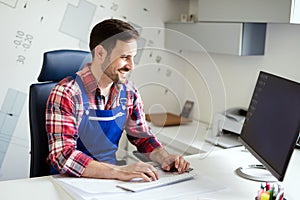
(23, 42)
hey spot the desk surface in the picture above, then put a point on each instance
(218, 165)
(187, 138)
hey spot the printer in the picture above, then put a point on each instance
(226, 128)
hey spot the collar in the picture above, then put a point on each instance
(88, 80)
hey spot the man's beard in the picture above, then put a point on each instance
(115, 77)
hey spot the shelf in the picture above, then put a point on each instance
(241, 39)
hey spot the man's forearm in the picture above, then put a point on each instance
(158, 155)
(97, 169)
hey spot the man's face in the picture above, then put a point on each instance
(120, 62)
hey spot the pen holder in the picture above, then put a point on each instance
(268, 192)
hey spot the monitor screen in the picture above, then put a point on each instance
(272, 123)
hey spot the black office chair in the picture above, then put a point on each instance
(57, 65)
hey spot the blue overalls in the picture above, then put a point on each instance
(100, 130)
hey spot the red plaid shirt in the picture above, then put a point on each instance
(63, 116)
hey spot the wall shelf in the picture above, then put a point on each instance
(240, 39)
(266, 11)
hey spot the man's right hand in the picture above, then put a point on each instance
(137, 170)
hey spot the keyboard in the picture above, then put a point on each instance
(166, 179)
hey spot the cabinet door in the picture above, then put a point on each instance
(277, 11)
(224, 38)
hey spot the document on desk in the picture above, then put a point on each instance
(90, 189)
(87, 188)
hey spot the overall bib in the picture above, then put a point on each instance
(100, 130)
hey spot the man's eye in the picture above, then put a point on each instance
(125, 57)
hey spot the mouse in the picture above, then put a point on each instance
(174, 169)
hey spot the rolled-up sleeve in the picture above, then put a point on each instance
(137, 129)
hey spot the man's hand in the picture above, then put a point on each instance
(176, 162)
(137, 170)
(168, 161)
(141, 170)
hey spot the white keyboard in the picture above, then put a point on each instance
(136, 186)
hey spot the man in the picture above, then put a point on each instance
(87, 113)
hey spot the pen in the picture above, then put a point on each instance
(271, 194)
(259, 192)
(280, 196)
(267, 186)
(258, 166)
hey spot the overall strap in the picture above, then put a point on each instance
(123, 97)
(85, 99)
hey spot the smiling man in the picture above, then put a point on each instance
(87, 113)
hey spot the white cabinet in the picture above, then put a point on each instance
(216, 37)
(269, 11)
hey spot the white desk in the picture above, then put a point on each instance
(219, 165)
(186, 139)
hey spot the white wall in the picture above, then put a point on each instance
(281, 58)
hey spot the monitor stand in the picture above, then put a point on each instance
(256, 173)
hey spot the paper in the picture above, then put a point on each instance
(91, 189)
(89, 185)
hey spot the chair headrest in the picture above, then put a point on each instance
(59, 64)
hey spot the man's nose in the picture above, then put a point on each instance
(130, 63)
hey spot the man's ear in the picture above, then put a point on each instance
(100, 53)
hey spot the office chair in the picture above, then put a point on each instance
(57, 65)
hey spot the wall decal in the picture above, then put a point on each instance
(10, 3)
(82, 15)
(9, 116)
(22, 43)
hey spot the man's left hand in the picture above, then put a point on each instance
(177, 162)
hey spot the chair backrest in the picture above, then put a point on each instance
(56, 65)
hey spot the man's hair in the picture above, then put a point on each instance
(109, 31)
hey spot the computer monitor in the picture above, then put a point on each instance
(272, 124)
